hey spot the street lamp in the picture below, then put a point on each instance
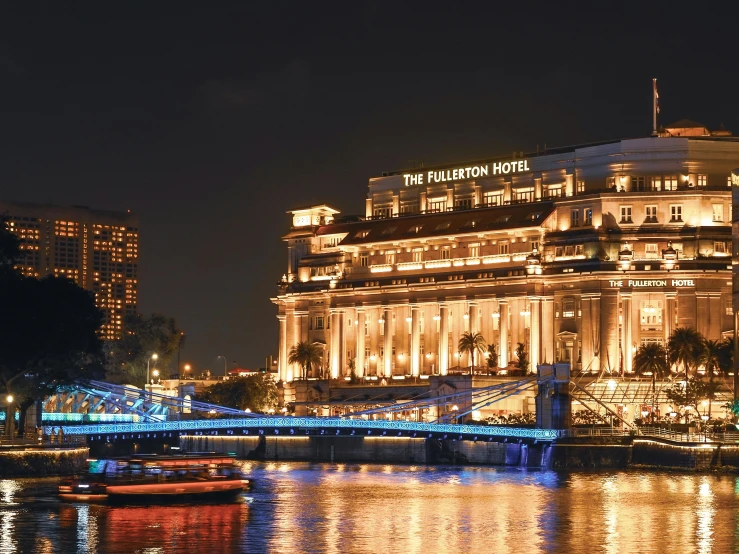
(154, 357)
(188, 367)
(9, 416)
(225, 366)
(155, 373)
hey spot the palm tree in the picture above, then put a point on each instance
(711, 356)
(726, 356)
(305, 354)
(472, 342)
(651, 358)
(492, 357)
(685, 347)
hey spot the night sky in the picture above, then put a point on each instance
(211, 120)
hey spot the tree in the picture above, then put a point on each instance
(9, 249)
(257, 393)
(48, 337)
(691, 393)
(144, 336)
(651, 357)
(685, 347)
(471, 343)
(726, 356)
(711, 356)
(492, 357)
(522, 358)
(306, 355)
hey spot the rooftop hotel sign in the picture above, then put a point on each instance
(646, 283)
(463, 173)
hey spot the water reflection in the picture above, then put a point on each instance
(348, 508)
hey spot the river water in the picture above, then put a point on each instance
(364, 508)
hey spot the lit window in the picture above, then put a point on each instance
(650, 250)
(587, 216)
(568, 308)
(474, 250)
(670, 182)
(718, 212)
(503, 247)
(702, 180)
(446, 252)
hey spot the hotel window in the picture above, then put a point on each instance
(651, 214)
(718, 212)
(553, 191)
(578, 250)
(650, 250)
(366, 328)
(319, 322)
(474, 250)
(417, 254)
(626, 214)
(409, 208)
(719, 247)
(656, 183)
(367, 354)
(436, 205)
(503, 247)
(574, 218)
(568, 308)
(676, 213)
(523, 195)
(361, 234)
(535, 245)
(637, 183)
(387, 231)
(670, 182)
(494, 198)
(569, 250)
(558, 251)
(363, 260)
(580, 187)
(587, 216)
(702, 180)
(463, 203)
(382, 212)
(446, 252)
(610, 182)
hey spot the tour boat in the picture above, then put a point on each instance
(158, 479)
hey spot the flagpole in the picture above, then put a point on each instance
(654, 107)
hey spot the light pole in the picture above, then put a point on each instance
(9, 416)
(154, 357)
(188, 367)
(225, 367)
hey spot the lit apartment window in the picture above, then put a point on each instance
(553, 191)
(574, 218)
(580, 187)
(670, 182)
(702, 180)
(587, 216)
(390, 257)
(651, 214)
(503, 247)
(656, 183)
(650, 250)
(719, 247)
(626, 214)
(494, 198)
(568, 308)
(446, 252)
(718, 212)
(474, 250)
(610, 182)
(676, 213)
(409, 208)
(363, 259)
(436, 205)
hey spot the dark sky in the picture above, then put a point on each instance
(210, 120)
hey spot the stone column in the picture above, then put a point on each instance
(585, 333)
(415, 353)
(626, 317)
(343, 369)
(297, 370)
(714, 316)
(503, 346)
(609, 331)
(547, 330)
(359, 331)
(668, 317)
(387, 359)
(535, 347)
(443, 339)
(702, 313)
(598, 347)
(282, 354)
(335, 345)
(474, 318)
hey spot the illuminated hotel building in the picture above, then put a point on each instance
(98, 249)
(581, 254)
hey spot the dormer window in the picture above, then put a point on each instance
(387, 231)
(415, 229)
(361, 234)
(442, 226)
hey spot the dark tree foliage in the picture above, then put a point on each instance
(48, 336)
(9, 248)
(256, 392)
(127, 358)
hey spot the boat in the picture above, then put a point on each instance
(157, 479)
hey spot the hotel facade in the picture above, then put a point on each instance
(579, 254)
(97, 249)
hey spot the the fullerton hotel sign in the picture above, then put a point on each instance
(463, 173)
(646, 283)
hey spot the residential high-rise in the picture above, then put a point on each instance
(98, 249)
